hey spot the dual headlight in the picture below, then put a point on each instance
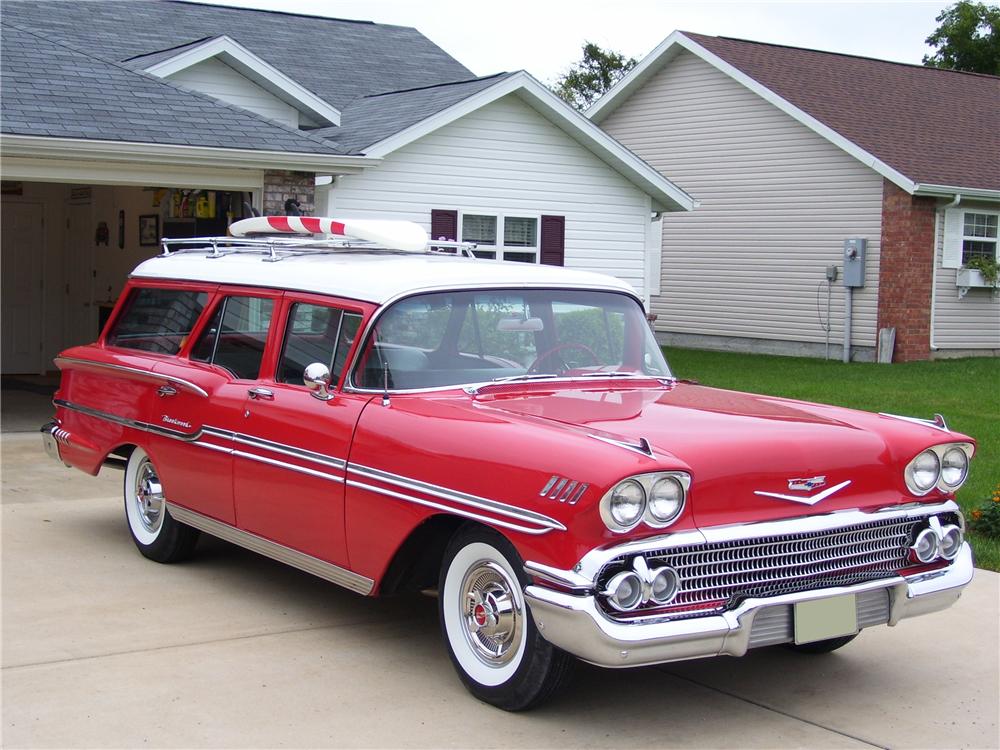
(656, 498)
(944, 466)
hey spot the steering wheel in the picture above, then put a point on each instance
(533, 367)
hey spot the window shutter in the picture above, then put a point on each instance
(553, 247)
(654, 256)
(951, 257)
(444, 225)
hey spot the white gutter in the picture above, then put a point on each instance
(37, 147)
(938, 213)
(947, 191)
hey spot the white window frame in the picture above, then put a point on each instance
(972, 238)
(500, 249)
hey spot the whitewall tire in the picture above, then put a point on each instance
(155, 532)
(487, 626)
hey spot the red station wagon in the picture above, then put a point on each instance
(391, 417)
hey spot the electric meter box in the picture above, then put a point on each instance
(854, 261)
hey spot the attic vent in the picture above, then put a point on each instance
(564, 490)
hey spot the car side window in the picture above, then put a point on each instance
(316, 333)
(157, 320)
(235, 336)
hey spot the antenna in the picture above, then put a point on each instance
(385, 383)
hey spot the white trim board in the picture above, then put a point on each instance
(677, 41)
(666, 196)
(245, 62)
(41, 147)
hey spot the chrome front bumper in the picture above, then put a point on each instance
(575, 624)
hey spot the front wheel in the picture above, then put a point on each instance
(491, 637)
(155, 532)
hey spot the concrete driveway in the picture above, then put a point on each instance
(102, 648)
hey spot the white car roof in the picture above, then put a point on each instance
(369, 276)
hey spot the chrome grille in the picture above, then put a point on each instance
(728, 572)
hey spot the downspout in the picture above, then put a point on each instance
(934, 262)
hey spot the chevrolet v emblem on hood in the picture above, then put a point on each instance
(805, 500)
(807, 485)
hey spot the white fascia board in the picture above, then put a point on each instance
(670, 46)
(38, 147)
(265, 75)
(950, 191)
(666, 196)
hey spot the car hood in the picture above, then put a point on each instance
(744, 451)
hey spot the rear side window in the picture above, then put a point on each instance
(235, 336)
(157, 320)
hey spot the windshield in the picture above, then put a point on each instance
(458, 338)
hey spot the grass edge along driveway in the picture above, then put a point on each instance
(965, 391)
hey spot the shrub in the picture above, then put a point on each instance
(985, 519)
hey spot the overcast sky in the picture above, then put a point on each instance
(545, 36)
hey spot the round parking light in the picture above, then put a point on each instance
(624, 591)
(665, 585)
(925, 547)
(951, 541)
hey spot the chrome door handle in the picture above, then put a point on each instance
(261, 394)
(166, 390)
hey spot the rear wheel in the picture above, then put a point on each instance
(822, 647)
(491, 637)
(155, 532)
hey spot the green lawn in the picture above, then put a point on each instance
(965, 391)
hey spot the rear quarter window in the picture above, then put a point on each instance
(157, 320)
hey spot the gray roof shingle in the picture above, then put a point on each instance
(371, 119)
(52, 89)
(337, 60)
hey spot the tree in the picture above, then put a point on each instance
(967, 38)
(588, 79)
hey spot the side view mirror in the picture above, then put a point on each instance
(317, 378)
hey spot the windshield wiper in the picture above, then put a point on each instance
(623, 374)
(526, 376)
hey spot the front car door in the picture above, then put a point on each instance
(292, 448)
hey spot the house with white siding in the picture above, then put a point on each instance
(123, 122)
(795, 156)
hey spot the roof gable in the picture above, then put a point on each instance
(927, 130)
(454, 101)
(168, 63)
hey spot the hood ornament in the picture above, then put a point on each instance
(642, 446)
(806, 485)
(819, 496)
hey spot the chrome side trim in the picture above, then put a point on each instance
(289, 450)
(186, 385)
(937, 423)
(449, 508)
(127, 422)
(480, 503)
(327, 571)
(284, 465)
(642, 447)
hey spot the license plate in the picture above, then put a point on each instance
(820, 619)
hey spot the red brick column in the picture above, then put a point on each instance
(906, 268)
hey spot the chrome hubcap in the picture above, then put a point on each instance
(149, 497)
(492, 616)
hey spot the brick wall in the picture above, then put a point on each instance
(280, 185)
(906, 270)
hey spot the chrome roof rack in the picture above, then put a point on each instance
(279, 246)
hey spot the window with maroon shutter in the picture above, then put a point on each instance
(444, 225)
(553, 245)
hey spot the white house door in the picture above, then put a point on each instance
(21, 287)
(80, 319)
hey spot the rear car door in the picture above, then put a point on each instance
(224, 361)
(292, 449)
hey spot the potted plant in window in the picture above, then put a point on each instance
(980, 272)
